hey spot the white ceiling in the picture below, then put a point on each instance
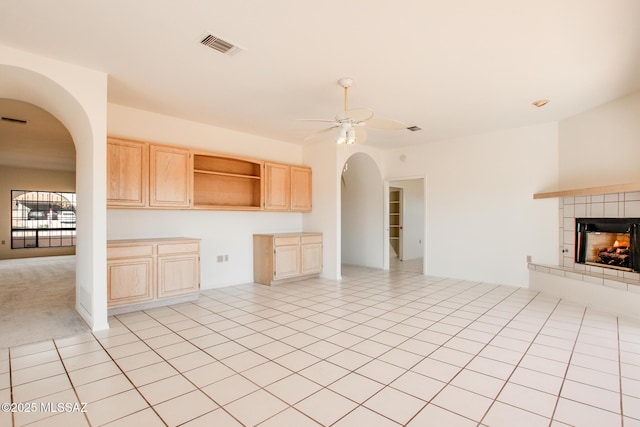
(452, 67)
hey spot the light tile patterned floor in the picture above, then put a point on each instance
(377, 349)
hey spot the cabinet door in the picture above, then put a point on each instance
(286, 262)
(129, 281)
(127, 173)
(178, 275)
(276, 186)
(311, 258)
(300, 189)
(169, 167)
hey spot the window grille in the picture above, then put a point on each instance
(42, 219)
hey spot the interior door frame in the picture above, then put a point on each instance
(386, 246)
(400, 220)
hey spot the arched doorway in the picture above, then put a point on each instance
(76, 97)
(37, 259)
(362, 213)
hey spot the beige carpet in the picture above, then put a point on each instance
(37, 299)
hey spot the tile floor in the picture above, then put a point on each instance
(376, 349)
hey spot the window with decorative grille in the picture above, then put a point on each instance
(42, 219)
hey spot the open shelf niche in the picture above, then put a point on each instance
(226, 182)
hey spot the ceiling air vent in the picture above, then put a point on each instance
(414, 128)
(220, 45)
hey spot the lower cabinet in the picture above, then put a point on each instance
(311, 254)
(151, 270)
(285, 257)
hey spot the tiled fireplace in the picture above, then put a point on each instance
(616, 205)
(617, 288)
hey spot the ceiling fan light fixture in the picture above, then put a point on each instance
(342, 136)
(347, 120)
(351, 136)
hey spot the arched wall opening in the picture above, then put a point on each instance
(362, 212)
(76, 97)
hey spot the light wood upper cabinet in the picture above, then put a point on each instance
(277, 186)
(301, 195)
(148, 175)
(287, 187)
(127, 173)
(169, 176)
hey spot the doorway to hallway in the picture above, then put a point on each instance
(405, 224)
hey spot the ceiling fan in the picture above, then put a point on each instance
(348, 120)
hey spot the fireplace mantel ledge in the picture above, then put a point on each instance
(618, 188)
(628, 282)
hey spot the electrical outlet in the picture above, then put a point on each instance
(4, 242)
(226, 258)
(220, 258)
(528, 258)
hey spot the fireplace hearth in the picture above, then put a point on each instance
(608, 242)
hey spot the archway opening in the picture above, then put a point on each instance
(362, 214)
(51, 88)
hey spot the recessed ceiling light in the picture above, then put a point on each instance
(540, 103)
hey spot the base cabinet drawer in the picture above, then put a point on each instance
(147, 270)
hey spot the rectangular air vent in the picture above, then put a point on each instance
(220, 45)
(414, 128)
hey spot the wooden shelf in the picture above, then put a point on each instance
(220, 190)
(618, 188)
(235, 175)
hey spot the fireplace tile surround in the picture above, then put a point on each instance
(616, 205)
(613, 205)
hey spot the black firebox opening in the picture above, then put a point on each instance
(608, 242)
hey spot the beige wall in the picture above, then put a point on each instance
(29, 179)
(481, 219)
(601, 146)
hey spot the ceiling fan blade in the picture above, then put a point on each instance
(322, 134)
(356, 114)
(316, 120)
(385, 124)
(361, 136)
